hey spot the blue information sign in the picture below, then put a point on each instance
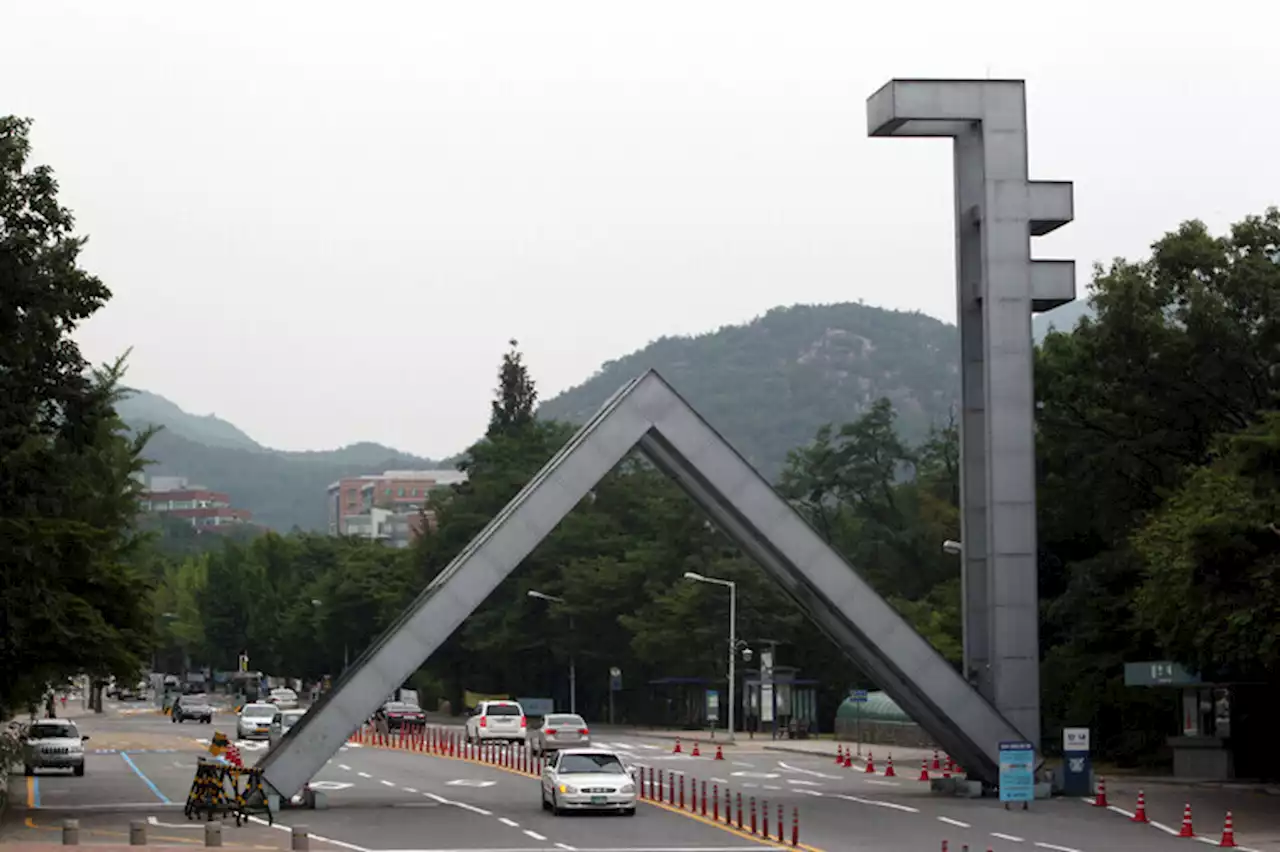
(858, 696)
(1017, 772)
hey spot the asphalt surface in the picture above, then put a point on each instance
(385, 799)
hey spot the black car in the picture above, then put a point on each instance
(401, 714)
(194, 708)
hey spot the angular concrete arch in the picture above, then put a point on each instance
(649, 415)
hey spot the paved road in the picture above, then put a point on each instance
(383, 799)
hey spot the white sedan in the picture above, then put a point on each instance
(587, 780)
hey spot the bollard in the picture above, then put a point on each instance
(795, 826)
(137, 833)
(652, 789)
(640, 784)
(739, 812)
(299, 840)
(71, 832)
(704, 798)
(681, 792)
(781, 822)
(693, 795)
(764, 818)
(213, 834)
(662, 788)
(715, 802)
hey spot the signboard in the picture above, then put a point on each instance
(858, 696)
(1075, 739)
(766, 702)
(1159, 673)
(615, 679)
(1017, 771)
(766, 665)
(713, 705)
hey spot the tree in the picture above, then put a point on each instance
(516, 396)
(72, 600)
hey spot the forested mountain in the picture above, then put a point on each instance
(768, 386)
(282, 489)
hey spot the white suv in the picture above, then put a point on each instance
(497, 720)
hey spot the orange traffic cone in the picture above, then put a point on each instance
(924, 770)
(936, 765)
(1140, 812)
(677, 749)
(848, 759)
(1187, 830)
(871, 764)
(1100, 800)
(888, 770)
(695, 752)
(719, 753)
(1228, 832)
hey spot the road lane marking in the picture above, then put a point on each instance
(508, 822)
(803, 782)
(565, 846)
(1008, 837)
(882, 783)
(161, 796)
(721, 780)
(469, 782)
(879, 803)
(409, 790)
(387, 783)
(1056, 848)
(1166, 829)
(151, 820)
(442, 800)
(771, 787)
(344, 766)
(282, 827)
(535, 835)
(364, 774)
(790, 768)
(957, 823)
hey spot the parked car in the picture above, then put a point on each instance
(402, 714)
(560, 730)
(53, 744)
(194, 708)
(497, 720)
(587, 779)
(260, 721)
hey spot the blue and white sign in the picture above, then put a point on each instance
(713, 705)
(1017, 771)
(858, 696)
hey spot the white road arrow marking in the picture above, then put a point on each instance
(469, 782)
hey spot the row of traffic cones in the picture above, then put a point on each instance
(1228, 840)
(696, 752)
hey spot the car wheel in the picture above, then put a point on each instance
(79, 770)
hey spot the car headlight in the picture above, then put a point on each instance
(565, 788)
(627, 788)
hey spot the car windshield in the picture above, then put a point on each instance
(577, 763)
(564, 722)
(502, 710)
(259, 711)
(52, 731)
(191, 700)
(291, 718)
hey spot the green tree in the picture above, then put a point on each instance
(516, 396)
(72, 600)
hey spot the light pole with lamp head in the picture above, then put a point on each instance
(956, 548)
(733, 635)
(573, 668)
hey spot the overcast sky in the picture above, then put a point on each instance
(323, 221)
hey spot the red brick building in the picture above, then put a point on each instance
(194, 503)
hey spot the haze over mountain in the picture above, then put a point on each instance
(767, 386)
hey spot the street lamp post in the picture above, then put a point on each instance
(733, 635)
(573, 667)
(956, 548)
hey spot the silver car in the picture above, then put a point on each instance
(53, 744)
(289, 718)
(560, 730)
(259, 722)
(587, 780)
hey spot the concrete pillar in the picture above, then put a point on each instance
(998, 286)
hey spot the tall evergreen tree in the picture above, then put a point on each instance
(515, 398)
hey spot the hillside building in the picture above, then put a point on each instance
(175, 497)
(389, 506)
